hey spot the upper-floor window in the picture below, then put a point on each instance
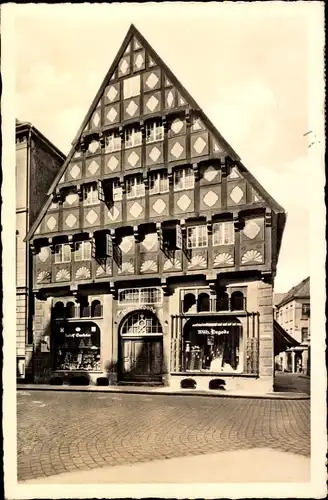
(117, 191)
(158, 182)
(154, 131)
(141, 296)
(135, 187)
(184, 179)
(62, 253)
(305, 334)
(82, 250)
(112, 142)
(305, 311)
(90, 194)
(223, 233)
(131, 87)
(132, 137)
(197, 237)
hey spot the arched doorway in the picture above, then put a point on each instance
(141, 347)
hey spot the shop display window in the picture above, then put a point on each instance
(77, 347)
(212, 348)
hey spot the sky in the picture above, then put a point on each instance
(246, 64)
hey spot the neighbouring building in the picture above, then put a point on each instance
(37, 164)
(293, 314)
(155, 253)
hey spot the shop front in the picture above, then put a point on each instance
(76, 346)
(141, 348)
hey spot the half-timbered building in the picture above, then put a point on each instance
(155, 254)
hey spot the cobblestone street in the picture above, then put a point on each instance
(69, 431)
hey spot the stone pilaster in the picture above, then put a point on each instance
(266, 335)
(42, 341)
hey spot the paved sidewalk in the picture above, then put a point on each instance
(256, 465)
(162, 390)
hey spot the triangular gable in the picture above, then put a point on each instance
(135, 51)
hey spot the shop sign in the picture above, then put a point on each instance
(75, 332)
(212, 331)
(136, 308)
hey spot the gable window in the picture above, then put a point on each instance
(158, 182)
(184, 179)
(82, 250)
(305, 311)
(117, 191)
(154, 131)
(135, 187)
(197, 237)
(131, 87)
(305, 334)
(223, 233)
(132, 137)
(62, 253)
(90, 194)
(112, 142)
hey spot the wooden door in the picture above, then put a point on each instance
(142, 359)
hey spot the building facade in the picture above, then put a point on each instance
(37, 164)
(293, 314)
(155, 254)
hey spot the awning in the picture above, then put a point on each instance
(282, 339)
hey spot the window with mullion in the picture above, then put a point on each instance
(223, 233)
(82, 250)
(62, 253)
(154, 131)
(184, 178)
(135, 187)
(197, 237)
(117, 191)
(158, 182)
(112, 142)
(132, 137)
(90, 194)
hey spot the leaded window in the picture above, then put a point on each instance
(158, 182)
(184, 178)
(62, 253)
(135, 187)
(223, 233)
(197, 237)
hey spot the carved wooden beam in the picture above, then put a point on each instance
(112, 289)
(224, 168)
(268, 218)
(165, 286)
(101, 139)
(209, 224)
(237, 222)
(51, 245)
(196, 171)
(71, 241)
(136, 233)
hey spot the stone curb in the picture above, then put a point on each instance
(154, 392)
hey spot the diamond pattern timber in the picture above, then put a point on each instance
(236, 194)
(126, 245)
(133, 158)
(96, 119)
(91, 216)
(135, 209)
(210, 198)
(70, 220)
(71, 198)
(112, 163)
(139, 61)
(150, 241)
(159, 206)
(184, 202)
(111, 93)
(51, 223)
(251, 229)
(154, 154)
(176, 150)
(75, 171)
(176, 125)
(152, 80)
(210, 174)
(152, 103)
(124, 66)
(199, 145)
(93, 167)
(170, 99)
(113, 213)
(111, 115)
(131, 108)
